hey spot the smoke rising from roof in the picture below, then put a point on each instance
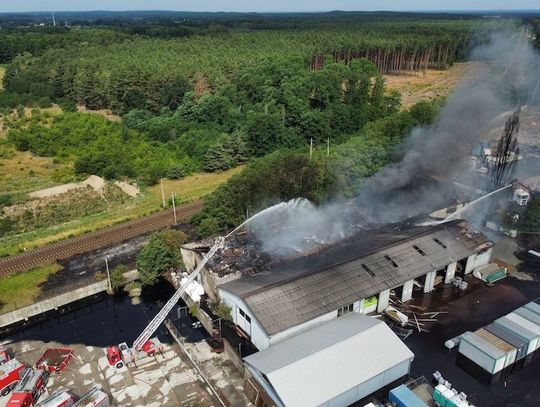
(400, 190)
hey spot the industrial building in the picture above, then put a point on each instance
(354, 275)
(334, 364)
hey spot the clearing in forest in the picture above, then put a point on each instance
(21, 172)
(430, 85)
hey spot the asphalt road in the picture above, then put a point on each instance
(96, 240)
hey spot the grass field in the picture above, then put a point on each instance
(21, 289)
(21, 172)
(431, 85)
(186, 190)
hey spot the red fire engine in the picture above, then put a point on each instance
(94, 398)
(60, 398)
(10, 374)
(31, 386)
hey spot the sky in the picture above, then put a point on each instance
(265, 5)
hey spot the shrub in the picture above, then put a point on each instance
(117, 277)
(221, 310)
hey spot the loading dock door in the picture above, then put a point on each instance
(244, 322)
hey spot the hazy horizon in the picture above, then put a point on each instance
(276, 6)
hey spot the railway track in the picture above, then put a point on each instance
(96, 240)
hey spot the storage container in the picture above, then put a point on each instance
(521, 331)
(508, 336)
(500, 344)
(528, 314)
(442, 394)
(490, 273)
(479, 351)
(402, 396)
(532, 306)
(526, 323)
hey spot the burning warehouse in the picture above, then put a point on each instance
(282, 298)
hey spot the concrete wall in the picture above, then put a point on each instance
(370, 386)
(350, 396)
(477, 260)
(58, 301)
(450, 272)
(384, 297)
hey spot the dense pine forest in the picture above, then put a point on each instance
(138, 68)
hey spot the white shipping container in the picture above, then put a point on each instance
(482, 353)
(525, 323)
(521, 331)
(534, 307)
(528, 314)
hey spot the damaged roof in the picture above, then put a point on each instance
(299, 290)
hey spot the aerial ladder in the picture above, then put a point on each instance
(122, 354)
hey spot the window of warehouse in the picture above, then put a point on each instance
(345, 310)
(246, 316)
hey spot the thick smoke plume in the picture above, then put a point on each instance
(435, 161)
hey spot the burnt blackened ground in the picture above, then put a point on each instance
(469, 312)
(81, 270)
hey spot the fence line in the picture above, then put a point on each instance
(197, 363)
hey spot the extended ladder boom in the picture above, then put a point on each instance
(161, 315)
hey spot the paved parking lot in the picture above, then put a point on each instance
(167, 379)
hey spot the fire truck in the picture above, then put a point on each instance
(118, 355)
(93, 398)
(60, 398)
(10, 374)
(31, 386)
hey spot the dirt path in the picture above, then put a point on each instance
(96, 240)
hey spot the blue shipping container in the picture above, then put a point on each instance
(403, 397)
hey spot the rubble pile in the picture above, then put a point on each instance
(242, 253)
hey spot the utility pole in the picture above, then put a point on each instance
(108, 273)
(328, 147)
(311, 147)
(162, 192)
(53, 20)
(174, 209)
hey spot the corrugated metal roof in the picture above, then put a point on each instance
(529, 315)
(517, 328)
(507, 335)
(482, 345)
(297, 291)
(494, 340)
(534, 307)
(326, 361)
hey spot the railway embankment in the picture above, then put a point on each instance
(58, 301)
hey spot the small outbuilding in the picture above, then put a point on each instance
(332, 365)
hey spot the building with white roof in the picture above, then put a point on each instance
(331, 365)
